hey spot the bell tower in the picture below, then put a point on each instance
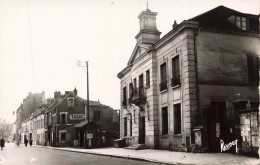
(148, 31)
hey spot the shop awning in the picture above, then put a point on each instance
(87, 124)
(248, 110)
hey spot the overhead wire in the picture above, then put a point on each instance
(30, 40)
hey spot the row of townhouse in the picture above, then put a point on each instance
(24, 112)
(63, 121)
(198, 84)
(33, 128)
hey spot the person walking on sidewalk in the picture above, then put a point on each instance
(31, 142)
(26, 142)
(18, 143)
(2, 143)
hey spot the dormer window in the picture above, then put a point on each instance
(70, 101)
(240, 22)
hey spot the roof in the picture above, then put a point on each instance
(69, 93)
(217, 18)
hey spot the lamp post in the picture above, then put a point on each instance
(85, 64)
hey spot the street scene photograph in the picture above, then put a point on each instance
(133, 82)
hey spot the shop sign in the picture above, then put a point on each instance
(77, 116)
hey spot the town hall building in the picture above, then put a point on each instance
(198, 84)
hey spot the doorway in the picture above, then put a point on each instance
(221, 126)
(81, 138)
(142, 130)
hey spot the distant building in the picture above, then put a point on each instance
(199, 76)
(29, 105)
(6, 130)
(62, 121)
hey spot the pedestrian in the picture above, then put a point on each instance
(26, 142)
(2, 143)
(18, 143)
(31, 142)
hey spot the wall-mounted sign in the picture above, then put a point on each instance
(89, 136)
(77, 116)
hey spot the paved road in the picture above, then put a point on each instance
(12, 155)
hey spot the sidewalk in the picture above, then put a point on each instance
(167, 157)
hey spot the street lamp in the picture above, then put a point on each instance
(85, 64)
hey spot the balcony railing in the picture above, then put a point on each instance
(163, 85)
(138, 96)
(176, 80)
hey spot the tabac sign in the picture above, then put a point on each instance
(77, 116)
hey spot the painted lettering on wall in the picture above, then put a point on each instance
(77, 116)
(225, 147)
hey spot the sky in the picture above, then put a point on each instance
(41, 41)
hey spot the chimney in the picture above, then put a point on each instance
(75, 91)
(175, 24)
(49, 101)
(57, 96)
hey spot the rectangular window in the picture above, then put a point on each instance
(140, 91)
(241, 22)
(141, 81)
(164, 120)
(96, 116)
(125, 126)
(147, 78)
(238, 22)
(135, 83)
(70, 102)
(54, 118)
(63, 118)
(130, 125)
(163, 74)
(124, 97)
(130, 90)
(177, 118)
(50, 121)
(253, 24)
(175, 71)
(253, 69)
(63, 136)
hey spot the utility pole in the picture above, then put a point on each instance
(87, 91)
(81, 64)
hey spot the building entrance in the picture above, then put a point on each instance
(221, 128)
(142, 130)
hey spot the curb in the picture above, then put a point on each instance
(114, 156)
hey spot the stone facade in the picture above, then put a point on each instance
(198, 71)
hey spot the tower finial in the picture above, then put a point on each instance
(147, 4)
